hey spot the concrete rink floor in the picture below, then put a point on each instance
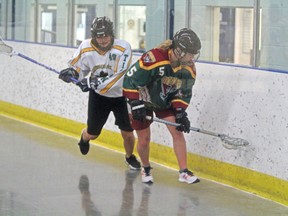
(43, 173)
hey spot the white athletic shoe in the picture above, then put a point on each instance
(146, 175)
(188, 177)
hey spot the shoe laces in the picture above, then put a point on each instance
(132, 159)
(147, 170)
(188, 172)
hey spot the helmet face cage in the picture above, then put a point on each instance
(102, 26)
(185, 58)
(186, 42)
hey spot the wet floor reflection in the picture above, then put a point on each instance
(87, 204)
(127, 202)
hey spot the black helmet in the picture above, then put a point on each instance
(187, 41)
(102, 26)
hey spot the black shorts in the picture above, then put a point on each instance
(99, 108)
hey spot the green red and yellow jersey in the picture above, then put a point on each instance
(153, 80)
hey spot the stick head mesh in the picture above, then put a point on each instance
(4, 48)
(233, 143)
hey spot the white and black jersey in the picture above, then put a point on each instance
(109, 66)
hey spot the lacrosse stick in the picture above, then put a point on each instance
(228, 142)
(8, 50)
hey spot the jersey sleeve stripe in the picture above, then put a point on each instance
(81, 52)
(193, 74)
(150, 67)
(107, 87)
(130, 93)
(116, 65)
(130, 90)
(122, 49)
(179, 103)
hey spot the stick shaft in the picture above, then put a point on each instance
(229, 141)
(176, 125)
(40, 64)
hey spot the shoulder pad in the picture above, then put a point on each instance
(154, 56)
(121, 45)
(191, 69)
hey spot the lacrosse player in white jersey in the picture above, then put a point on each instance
(100, 64)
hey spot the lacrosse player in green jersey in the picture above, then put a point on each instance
(161, 82)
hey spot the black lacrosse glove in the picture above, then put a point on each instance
(88, 83)
(181, 118)
(67, 74)
(138, 110)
